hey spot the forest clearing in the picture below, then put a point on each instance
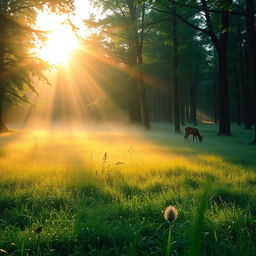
(102, 191)
(127, 127)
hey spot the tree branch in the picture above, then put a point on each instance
(25, 7)
(209, 23)
(184, 20)
(201, 8)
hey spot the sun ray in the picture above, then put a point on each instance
(60, 42)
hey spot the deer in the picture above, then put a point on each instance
(192, 131)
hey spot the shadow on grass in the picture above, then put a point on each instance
(234, 149)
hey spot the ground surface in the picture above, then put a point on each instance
(101, 191)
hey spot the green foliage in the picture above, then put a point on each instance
(18, 66)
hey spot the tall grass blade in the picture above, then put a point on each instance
(168, 247)
(198, 223)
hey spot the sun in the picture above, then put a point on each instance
(58, 47)
(60, 42)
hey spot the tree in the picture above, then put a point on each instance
(17, 64)
(219, 36)
(251, 34)
(162, 53)
(124, 30)
(139, 38)
(175, 65)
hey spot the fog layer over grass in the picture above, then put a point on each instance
(101, 191)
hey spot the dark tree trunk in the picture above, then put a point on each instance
(247, 92)
(144, 104)
(245, 87)
(187, 119)
(3, 127)
(215, 90)
(182, 113)
(143, 97)
(139, 47)
(170, 104)
(176, 97)
(222, 51)
(135, 111)
(221, 46)
(251, 33)
(193, 101)
(135, 114)
(238, 93)
(224, 118)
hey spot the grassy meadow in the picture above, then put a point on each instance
(102, 191)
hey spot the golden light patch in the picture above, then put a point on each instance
(61, 41)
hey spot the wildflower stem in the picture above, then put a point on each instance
(168, 248)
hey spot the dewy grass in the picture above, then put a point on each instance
(102, 192)
(199, 221)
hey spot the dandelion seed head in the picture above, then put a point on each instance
(170, 213)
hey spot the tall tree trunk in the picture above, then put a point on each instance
(187, 113)
(143, 98)
(221, 46)
(170, 103)
(215, 90)
(238, 102)
(144, 103)
(182, 113)
(224, 118)
(247, 94)
(135, 111)
(176, 97)
(251, 33)
(3, 127)
(193, 101)
(222, 51)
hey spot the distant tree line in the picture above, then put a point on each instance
(180, 60)
(187, 58)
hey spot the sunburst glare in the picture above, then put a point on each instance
(61, 41)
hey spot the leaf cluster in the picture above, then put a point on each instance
(18, 65)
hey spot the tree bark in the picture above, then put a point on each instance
(144, 103)
(246, 94)
(135, 112)
(251, 33)
(221, 46)
(193, 101)
(140, 43)
(139, 47)
(187, 113)
(238, 93)
(215, 90)
(224, 118)
(176, 96)
(3, 127)
(222, 51)
(182, 113)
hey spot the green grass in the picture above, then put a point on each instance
(92, 203)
